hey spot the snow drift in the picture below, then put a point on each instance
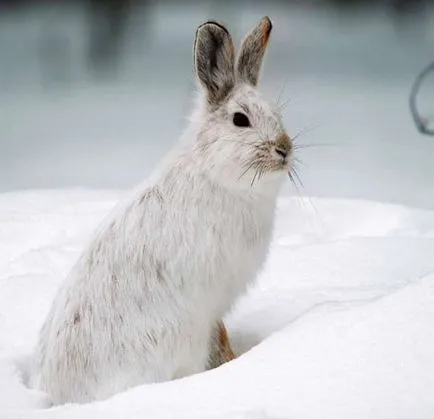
(340, 324)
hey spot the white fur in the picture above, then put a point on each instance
(140, 304)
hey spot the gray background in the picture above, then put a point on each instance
(346, 75)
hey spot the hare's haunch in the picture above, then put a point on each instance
(145, 300)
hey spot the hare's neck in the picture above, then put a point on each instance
(183, 175)
(187, 162)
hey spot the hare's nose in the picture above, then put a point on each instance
(282, 146)
(281, 152)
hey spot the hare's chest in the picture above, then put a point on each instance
(236, 250)
(252, 236)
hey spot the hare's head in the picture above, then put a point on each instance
(241, 138)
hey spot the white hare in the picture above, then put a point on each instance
(145, 300)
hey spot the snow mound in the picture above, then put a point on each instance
(338, 326)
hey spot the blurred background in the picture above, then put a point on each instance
(94, 92)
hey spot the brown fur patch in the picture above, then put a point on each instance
(220, 350)
(283, 142)
(267, 26)
(225, 345)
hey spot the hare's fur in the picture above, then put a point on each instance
(144, 301)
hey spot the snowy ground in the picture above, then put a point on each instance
(339, 325)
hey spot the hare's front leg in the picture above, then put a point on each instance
(220, 347)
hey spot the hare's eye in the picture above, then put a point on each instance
(241, 120)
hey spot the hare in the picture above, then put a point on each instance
(145, 301)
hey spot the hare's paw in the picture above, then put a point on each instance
(220, 347)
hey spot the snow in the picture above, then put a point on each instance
(339, 324)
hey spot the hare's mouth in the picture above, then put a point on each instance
(258, 169)
(281, 161)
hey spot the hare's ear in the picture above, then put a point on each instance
(214, 61)
(252, 52)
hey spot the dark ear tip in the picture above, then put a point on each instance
(265, 25)
(212, 24)
(268, 23)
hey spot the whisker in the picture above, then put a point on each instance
(297, 160)
(247, 169)
(282, 107)
(282, 90)
(317, 214)
(306, 130)
(299, 196)
(254, 177)
(290, 176)
(301, 146)
(261, 173)
(297, 177)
